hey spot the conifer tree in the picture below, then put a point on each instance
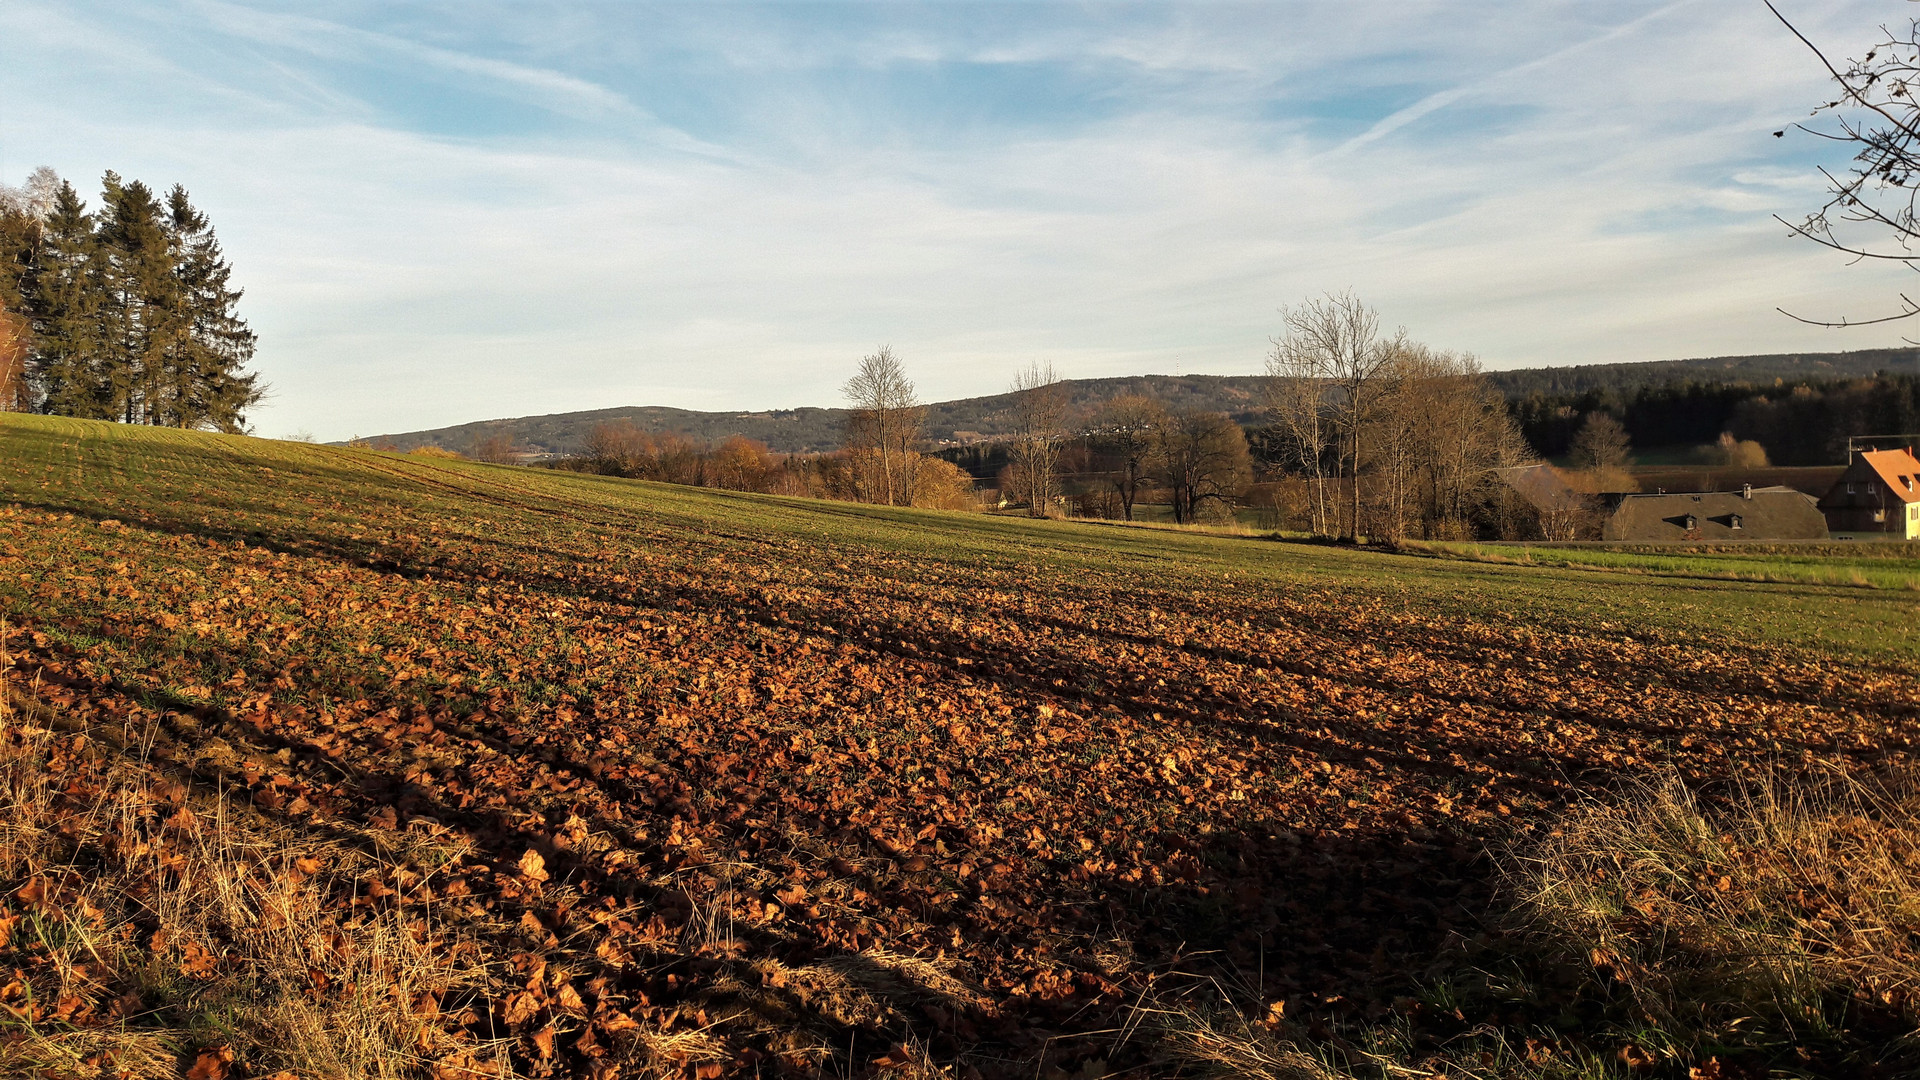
(132, 313)
(65, 291)
(209, 383)
(20, 236)
(143, 310)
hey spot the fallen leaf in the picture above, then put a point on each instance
(532, 866)
(213, 1064)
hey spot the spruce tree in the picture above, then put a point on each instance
(64, 294)
(144, 315)
(208, 380)
(20, 236)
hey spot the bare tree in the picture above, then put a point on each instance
(1601, 443)
(1039, 428)
(1336, 338)
(1395, 444)
(1296, 396)
(742, 464)
(1124, 435)
(620, 448)
(1442, 436)
(1872, 212)
(1204, 461)
(495, 448)
(886, 420)
(33, 199)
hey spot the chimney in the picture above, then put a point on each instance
(1746, 491)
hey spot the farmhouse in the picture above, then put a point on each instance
(1772, 513)
(1876, 496)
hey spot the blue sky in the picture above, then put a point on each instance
(447, 212)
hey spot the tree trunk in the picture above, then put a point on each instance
(886, 463)
(1353, 533)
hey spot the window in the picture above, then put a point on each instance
(1872, 489)
(1879, 515)
(1692, 523)
(1907, 480)
(1849, 487)
(1733, 521)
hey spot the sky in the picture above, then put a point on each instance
(444, 212)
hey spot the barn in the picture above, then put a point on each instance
(1771, 513)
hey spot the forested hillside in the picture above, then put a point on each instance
(1728, 370)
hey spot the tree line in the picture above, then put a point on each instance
(128, 312)
(1370, 434)
(622, 448)
(1798, 422)
(1367, 433)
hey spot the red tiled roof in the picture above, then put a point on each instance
(1898, 469)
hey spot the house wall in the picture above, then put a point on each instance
(1852, 511)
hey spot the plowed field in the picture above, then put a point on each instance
(708, 753)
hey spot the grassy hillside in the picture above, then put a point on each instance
(686, 782)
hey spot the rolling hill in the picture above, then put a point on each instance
(810, 430)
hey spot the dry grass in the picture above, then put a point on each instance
(144, 924)
(1209, 1039)
(1787, 912)
(1222, 1042)
(1770, 928)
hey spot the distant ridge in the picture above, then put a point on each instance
(1786, 367)
(808, 430)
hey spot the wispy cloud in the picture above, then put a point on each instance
(449, 212)
(1434, 102)
(335, 41)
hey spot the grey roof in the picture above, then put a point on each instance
(1774, 513)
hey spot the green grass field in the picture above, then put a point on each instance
(1871, 565)
(1789, 598)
